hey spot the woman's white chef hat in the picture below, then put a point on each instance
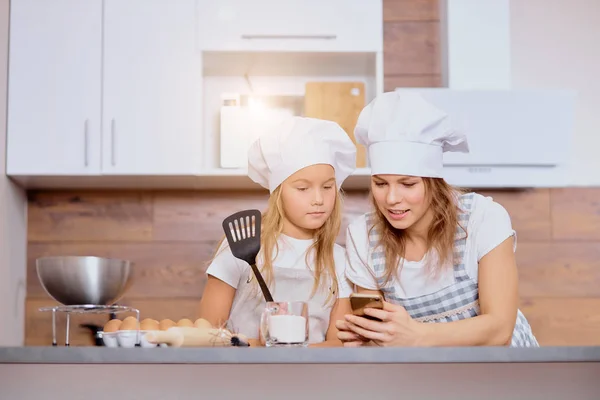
(407, 135)
(296, 143)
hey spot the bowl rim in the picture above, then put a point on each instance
(110, 259)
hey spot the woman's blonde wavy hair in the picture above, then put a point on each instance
(323, 248)
(443, 200)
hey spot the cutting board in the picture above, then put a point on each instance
(341, 102)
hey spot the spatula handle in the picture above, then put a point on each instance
(261, 283)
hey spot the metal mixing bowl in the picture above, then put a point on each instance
(74, 280)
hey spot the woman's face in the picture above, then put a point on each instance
(400, 198)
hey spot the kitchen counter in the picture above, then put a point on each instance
(192, 373)
(368, 355)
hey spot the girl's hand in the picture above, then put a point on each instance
(347, 336)
(396, 327)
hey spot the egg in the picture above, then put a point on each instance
(202, 323)
(165, 324)
(185, 322)
(112, 326)
(149, 324)
(129, 324)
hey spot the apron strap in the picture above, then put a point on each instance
(460, 237)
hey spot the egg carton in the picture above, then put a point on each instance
(128, 339)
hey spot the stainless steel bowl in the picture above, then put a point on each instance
(74, 280)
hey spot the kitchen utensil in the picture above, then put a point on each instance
(74, 280)
(285, 324)
(179, 336)
(340, 102)
(242, 231)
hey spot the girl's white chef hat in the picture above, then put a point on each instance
(407, 135)
(297, 143)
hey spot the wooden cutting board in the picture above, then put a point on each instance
(341, 102)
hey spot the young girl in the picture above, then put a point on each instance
(303, 162)
(443, 260)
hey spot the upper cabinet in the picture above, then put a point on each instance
(54, 98)
(152, 100)
(104, 87)
(290, 25)
(129, 93)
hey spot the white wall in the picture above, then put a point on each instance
(556, 44)
(480, 60)
(13, 222)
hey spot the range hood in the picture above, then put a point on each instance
(517, 138)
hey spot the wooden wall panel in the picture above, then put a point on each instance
(197, 216)
(412, 53)
(564, 322)
(411, 48)
(160, 269)
(559, 269)
(529, 211)
(393, 82)
(576, 214)
(411, 10)
(89, 216)
(169, 271)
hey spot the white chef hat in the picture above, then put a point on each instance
(407, 135)
(296, 143)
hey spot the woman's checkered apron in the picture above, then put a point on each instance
(455, 302)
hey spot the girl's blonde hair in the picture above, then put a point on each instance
(443, 200)
(322, 249)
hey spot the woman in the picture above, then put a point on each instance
(443, 260)
(302, 162)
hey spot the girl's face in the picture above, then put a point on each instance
(400, 198)
(308, 198)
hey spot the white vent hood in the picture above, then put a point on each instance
(518, 138)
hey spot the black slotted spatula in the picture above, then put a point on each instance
(242, 231)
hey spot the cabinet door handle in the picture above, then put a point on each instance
(113, 147)
(313, 37)
(86, 143)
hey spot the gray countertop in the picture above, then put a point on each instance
(103, 355)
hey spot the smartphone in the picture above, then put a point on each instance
(360, 301)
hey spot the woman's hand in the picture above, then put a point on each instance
(396, 328)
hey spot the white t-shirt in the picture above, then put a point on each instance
(291, 254)
(488, 226)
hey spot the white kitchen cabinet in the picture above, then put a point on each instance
(152, 100)
(127, 93)
(54, 98)
(290, 25)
